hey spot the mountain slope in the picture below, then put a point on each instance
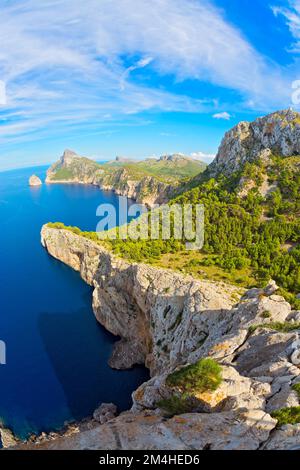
(248, 141)
(150, 181)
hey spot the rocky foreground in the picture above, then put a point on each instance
(166, 320)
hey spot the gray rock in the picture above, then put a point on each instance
(234, 430)
(285, 398)
(285, 438)
(278, 132)
(105, 412)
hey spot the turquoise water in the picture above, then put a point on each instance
(57, 353)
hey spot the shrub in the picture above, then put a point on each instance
(204, 375)
(284, 327)
(176, 405)
(296, 388)
(266, 314)
(287, 415)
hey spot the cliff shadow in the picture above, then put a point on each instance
(78, 348)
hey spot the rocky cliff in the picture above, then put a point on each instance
(167, 320)
(35, 181)
(150, 182)
(278, 133)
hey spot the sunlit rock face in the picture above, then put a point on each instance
(35, 181)
(277, 133)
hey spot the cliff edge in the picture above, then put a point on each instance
(168, 321)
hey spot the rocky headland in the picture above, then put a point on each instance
(175, 323)
(167, 320)
(152, 181)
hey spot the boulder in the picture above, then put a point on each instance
(35, 181)
(105, 412)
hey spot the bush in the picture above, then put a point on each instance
(284, 327)
(296, 388)
(287, 415)
(266, 314)
(176, 405)
(204, 375)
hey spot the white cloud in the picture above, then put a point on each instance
(205, 157)
(63, 61)
(291, 13)
(223, 115)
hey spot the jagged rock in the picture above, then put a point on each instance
(35, 181)
(285, 398)
(285, 438)
(165, 316)
(278, 132)
(145, 189)
(234, 392)
(7, 438)
(235, 430)
(169, 320)
(266, 353)
(106, 412)
(271, 288)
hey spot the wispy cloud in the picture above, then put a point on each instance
(291, 12)
(204, 157)
(64, 62)
(224, 115)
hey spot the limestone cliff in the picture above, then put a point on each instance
(150, 182)
(278, 133)
(167, 320)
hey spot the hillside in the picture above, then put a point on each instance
(221, 358)
(252, 229)
(149, 181)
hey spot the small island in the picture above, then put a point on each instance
(35, 181)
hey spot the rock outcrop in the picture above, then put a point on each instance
(129, 182)
(278, 133)
(167, 320)
(35, 181)
(232, 430)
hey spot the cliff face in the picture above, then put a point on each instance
(167, 320)
(278, 133)
(72, 168)
(155, 311)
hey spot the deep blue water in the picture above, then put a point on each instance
(57, 353)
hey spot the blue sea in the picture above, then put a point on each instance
(57, 353)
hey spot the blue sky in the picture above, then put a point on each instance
(139, 78)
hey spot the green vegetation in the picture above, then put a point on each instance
(204, 375)
(296, 388)
(266, 314)
(284, 327)
(63, 174)
(248, 240)
(287, 415)
(167, 170)
(254, 236)
(178, 404)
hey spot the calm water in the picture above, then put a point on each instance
(57, 353)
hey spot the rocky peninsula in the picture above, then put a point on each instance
(244, 341)
(151, 181)
(167, 321)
